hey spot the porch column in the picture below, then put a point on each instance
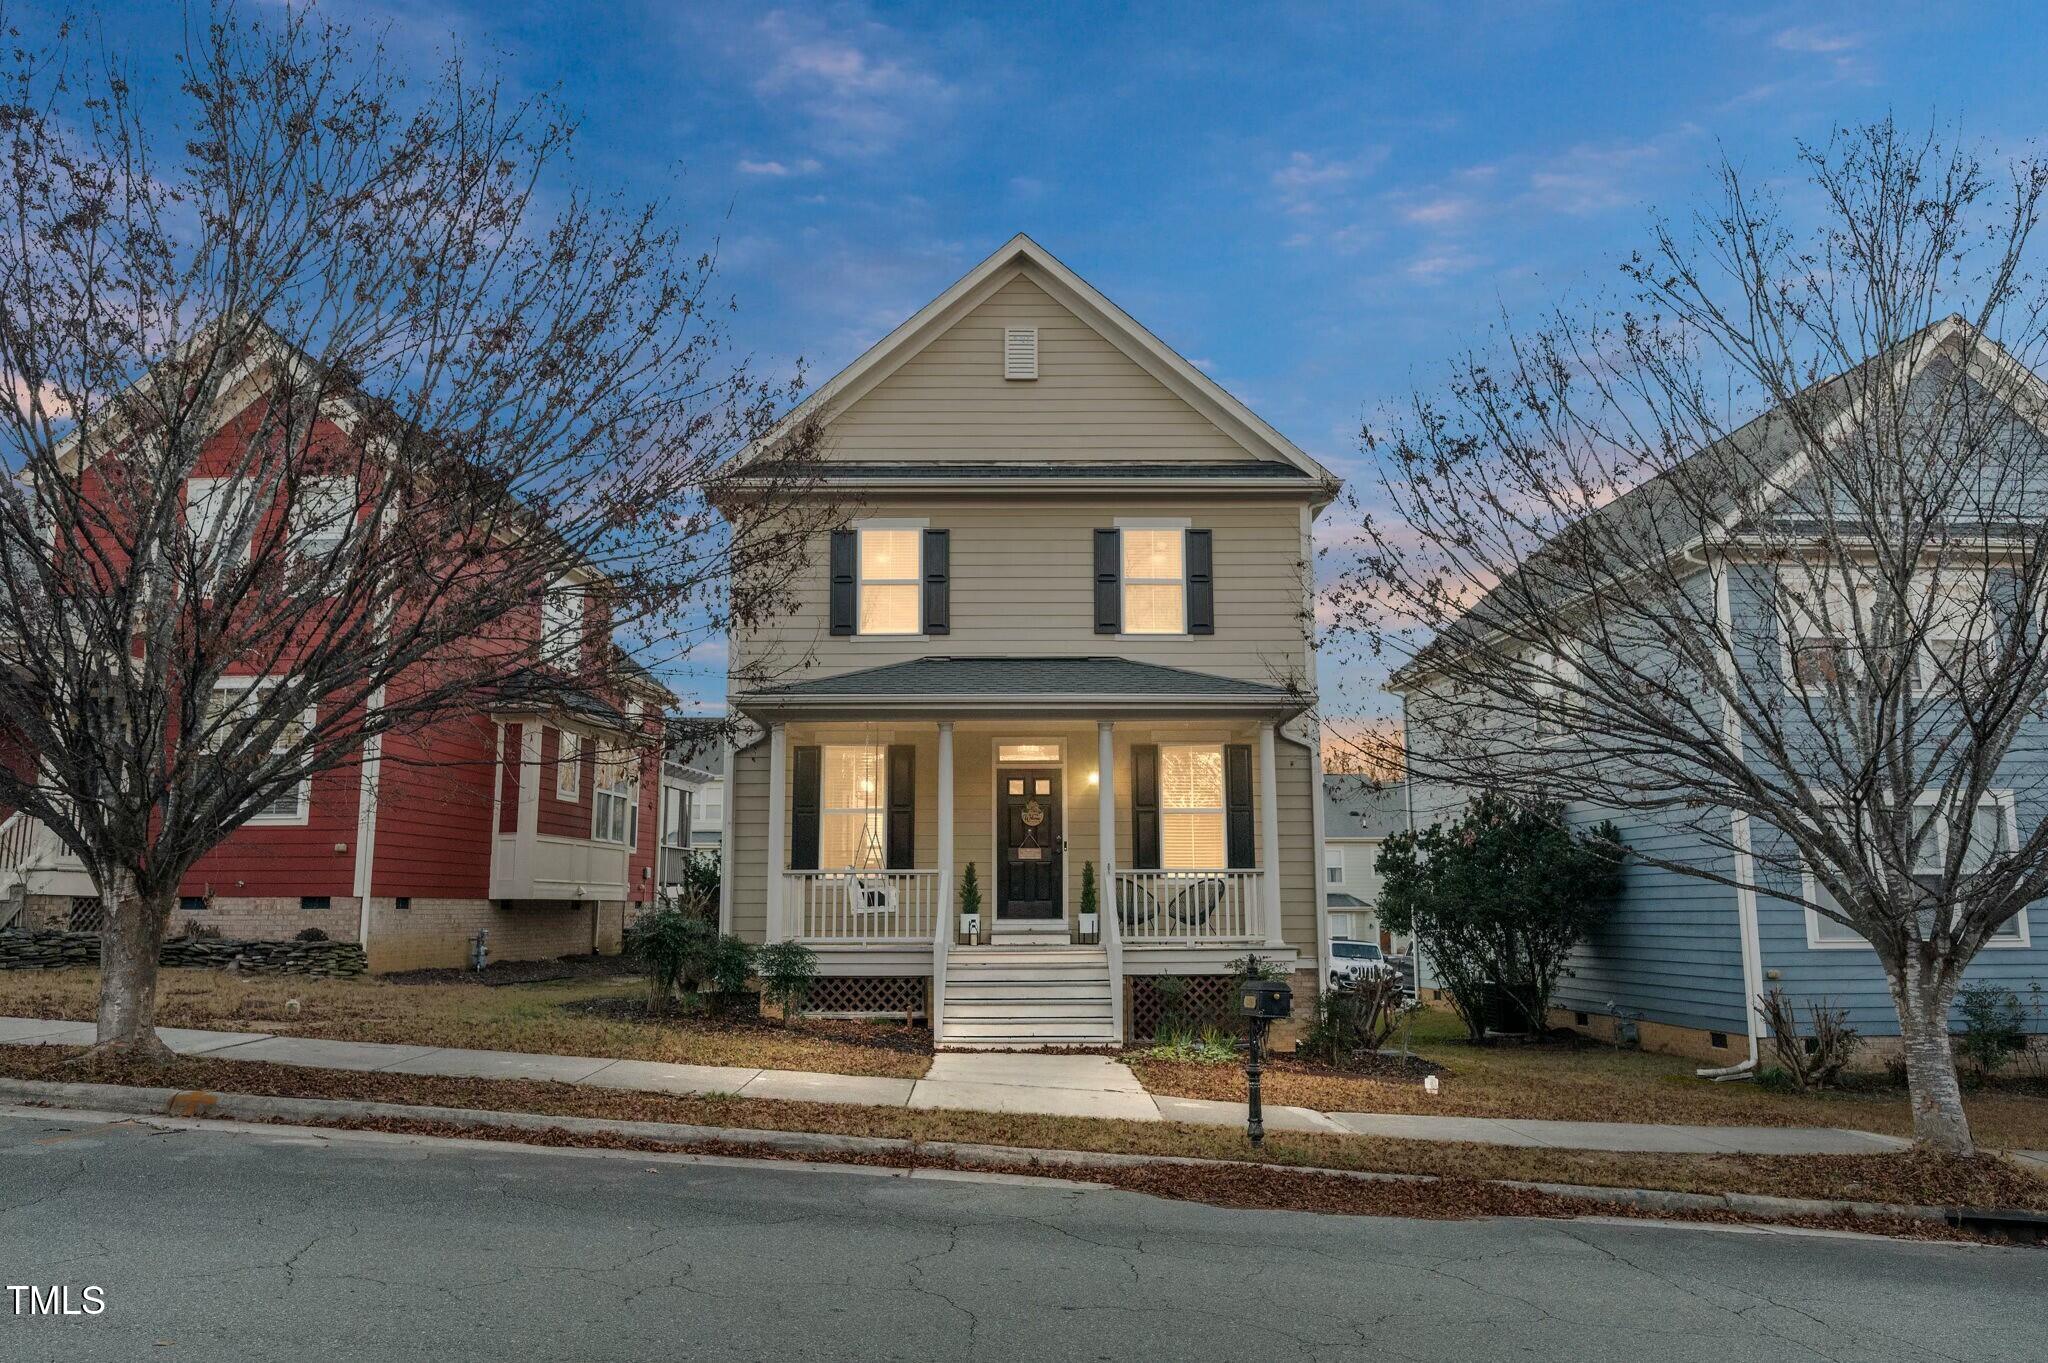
(1105, 808)
(778, 794)
(1269, 835)
(946, 924)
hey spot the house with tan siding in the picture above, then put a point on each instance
(1064, 637)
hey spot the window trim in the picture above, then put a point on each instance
(916, 579)
(2004, 800)
(627, 792)
(1124, 581)
(305, 814)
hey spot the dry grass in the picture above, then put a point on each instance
(513, 1017)
(1592, 1083)
(1911, 1178)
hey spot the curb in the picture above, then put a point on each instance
(204, 1103)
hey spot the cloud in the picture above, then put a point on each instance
(1307, 182)
(1441, 263)
(777, 169)
(1440, 210)
(1815, 38)
(859, 89)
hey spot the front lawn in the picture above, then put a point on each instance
(577, 1016)
(1591, 1082)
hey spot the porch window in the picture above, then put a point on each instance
(1191, 831)
(616, 772)
(891, 580)
(853, 800)
(234, 702)
(1155, 582)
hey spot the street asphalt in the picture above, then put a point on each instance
(214, 1241)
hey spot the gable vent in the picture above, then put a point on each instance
(1020, 352)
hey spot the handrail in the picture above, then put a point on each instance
(17, 841)
(942, 946)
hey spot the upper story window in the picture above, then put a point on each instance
(1333, 865)
(1155, 580)
(891, 579)
(709, 806)
(561, 625)
(325, 513)
(1191, 828)
(217, 517)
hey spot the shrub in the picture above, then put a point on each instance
(683, 952)
(1994, 1026)
(970, 890)
(697, 891)
(1253, 966)
(1353, 1019)
(1811, 1061)
(1090, 901)
(1172, 993)
(1501, 894)
(311, 935)
(788, 970)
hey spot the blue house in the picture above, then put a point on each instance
(1684, 957)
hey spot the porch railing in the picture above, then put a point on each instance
(18, 841)
(863, 906)
(1188, 907)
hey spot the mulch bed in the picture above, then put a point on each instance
(874, 1036)
(523, 972)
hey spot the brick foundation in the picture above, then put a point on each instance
(275, 919)
(1695, 1043)
(433, 933)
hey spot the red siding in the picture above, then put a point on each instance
(261, 860)
(565, 818)
(508, 788)
(434, 811)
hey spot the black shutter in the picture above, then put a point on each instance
(938, 583)
(1109, 613)
(903, 805)
(845, 590)
(1201, 585)
(1145, 806)
(1242, 847)
(803, 831)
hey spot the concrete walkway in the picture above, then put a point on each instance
(973, 1081)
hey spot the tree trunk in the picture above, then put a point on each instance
(129, 943)
(1937, 1095)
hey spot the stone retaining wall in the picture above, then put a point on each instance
(46, 949)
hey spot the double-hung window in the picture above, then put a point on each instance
(561, 625)
(1155, 579)
(891, 579)
(852, 805)
(615, 784)
(1333, 865)
(236, 701)
(1992, 834)
(324, 513)
(568, 766)
(1191, 824)
(217, 518)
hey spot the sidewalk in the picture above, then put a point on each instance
(975, 1081)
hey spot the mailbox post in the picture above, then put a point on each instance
(1261, 1003)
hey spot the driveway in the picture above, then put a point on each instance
(216, 1242)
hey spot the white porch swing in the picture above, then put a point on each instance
(871, 895)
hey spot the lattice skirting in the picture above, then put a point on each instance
(868, 995)
(88, 914)
(1207, 1002)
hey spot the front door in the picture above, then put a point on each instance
(1028, 831)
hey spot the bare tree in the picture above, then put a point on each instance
(338, 410)
(1760, 557)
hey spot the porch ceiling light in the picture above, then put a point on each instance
(1094, 778)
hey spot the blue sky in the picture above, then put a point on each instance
(1318, 204)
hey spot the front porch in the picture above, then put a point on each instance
(871, 828)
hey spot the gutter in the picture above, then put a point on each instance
(1745, 862)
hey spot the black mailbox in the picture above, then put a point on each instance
(1267, 1000)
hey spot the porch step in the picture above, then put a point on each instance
(1025, 996)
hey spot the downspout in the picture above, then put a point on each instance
(366, 825)
(1745, 862)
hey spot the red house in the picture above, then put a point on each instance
(529, 816)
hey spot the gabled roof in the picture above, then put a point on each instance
(1084, 300)
(1662, 513)
(1357, 806)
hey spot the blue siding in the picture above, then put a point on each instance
(1672, 948)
